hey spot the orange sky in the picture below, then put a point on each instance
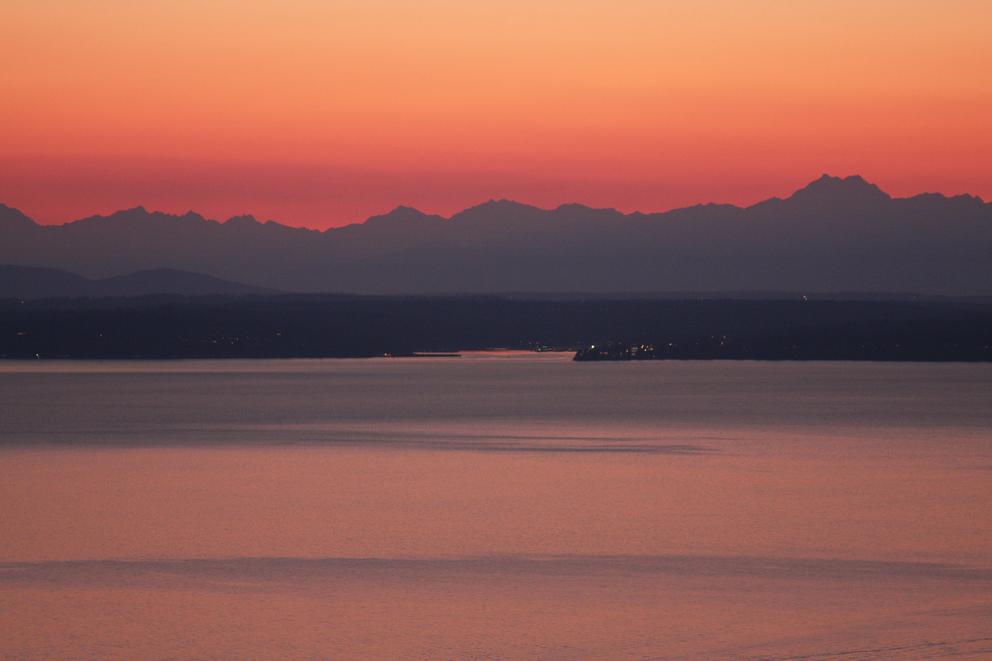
(321, 112)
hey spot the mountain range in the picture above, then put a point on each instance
(835, 234)
(43, 282)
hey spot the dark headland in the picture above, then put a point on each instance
(312, 326)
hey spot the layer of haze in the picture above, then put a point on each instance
(320, 113)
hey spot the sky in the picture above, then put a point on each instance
(320, 113)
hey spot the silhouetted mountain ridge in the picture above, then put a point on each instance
(835, 234)
(40, 282)
(10, 216)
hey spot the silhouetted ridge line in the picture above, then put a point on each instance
(24, 282)
(835, 234)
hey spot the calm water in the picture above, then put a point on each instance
(495, 506)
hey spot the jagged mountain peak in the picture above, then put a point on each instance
(140, 214)
(840, 190)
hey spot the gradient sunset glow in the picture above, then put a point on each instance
(323, 113)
